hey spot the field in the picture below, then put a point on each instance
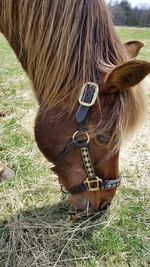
(34, 230)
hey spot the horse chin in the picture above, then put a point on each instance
(84, 210)
(78, 202)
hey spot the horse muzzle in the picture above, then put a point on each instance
(86, 210)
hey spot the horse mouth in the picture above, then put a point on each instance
(88, 213)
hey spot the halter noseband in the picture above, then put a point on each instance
(80, 140)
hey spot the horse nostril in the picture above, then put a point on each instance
(105, 206)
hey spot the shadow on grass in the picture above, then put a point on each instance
(44, 237)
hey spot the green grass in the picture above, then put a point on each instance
(139, 34)
(34, 230)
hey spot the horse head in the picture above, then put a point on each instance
(118, 109)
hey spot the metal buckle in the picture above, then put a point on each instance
(89, 182)
(96, 90)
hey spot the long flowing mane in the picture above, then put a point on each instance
(65, 41)
(62, 44)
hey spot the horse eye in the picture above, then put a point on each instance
(103, 139)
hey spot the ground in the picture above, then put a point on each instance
(34, 230)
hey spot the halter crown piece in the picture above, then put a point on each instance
(81, 139)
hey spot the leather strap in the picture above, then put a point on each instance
(104, 185)
(71, 145)
(82, 112)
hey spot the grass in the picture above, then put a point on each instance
(34, 230)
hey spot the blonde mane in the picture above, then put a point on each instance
(61, 45)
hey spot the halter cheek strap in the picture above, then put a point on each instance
(81, 139)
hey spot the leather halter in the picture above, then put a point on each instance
(80, 140)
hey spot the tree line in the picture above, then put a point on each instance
(124, 14)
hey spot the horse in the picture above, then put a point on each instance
(64, 46)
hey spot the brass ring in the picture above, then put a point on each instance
(86, 133)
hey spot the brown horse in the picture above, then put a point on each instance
(61, 46)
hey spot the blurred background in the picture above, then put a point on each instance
(130, 12)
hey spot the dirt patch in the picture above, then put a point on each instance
(27, 122)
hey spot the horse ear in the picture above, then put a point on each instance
(126, 75)
(133, 47)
